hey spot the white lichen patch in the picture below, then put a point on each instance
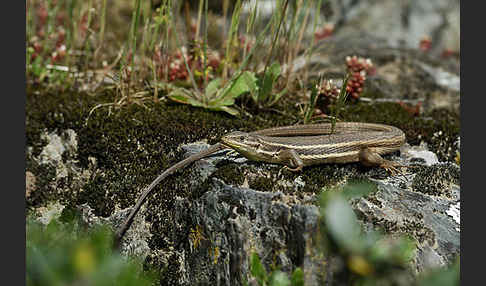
(48, 213)
(455, 212)
(442, 77)
(53, 151)
(420, 151)
(56, 146)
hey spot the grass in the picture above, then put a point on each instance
(152, 41)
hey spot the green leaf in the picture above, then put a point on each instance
(343, 95)
(269, 79)
(212, 87)
(310, 107)
(184, 96)
(297, 278)
(277, 97)
(257, 270)
(37, 67)
(278, 278)
(358, 189)
(442, 276)
(342, 223)
(226, 109)
(244, 83)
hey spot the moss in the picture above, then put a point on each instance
(408, 227)
(134, 144)
(262, 184)
(44, 191)
(436, 180)
(231, 173)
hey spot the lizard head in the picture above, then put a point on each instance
(248, 145)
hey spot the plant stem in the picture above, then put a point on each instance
(282, 16)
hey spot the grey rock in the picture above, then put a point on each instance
(400, 74)
(442, 77)
(419, 152)
(401, 24)
(424, 217)
(215, 234)
(234, 222)
(46, 214)
(57, 145)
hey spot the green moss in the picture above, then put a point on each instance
(231, 173)
(133, 144)
(262, 184)
(44, 192)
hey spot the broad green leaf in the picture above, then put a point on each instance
(274, 70)
(227, 109)
(212, 87)
(297, 278)
(244, 83)
(215, 102)
(184, 96)
(269, 79)
(441, 276)
(342, 224)
(257, 270)
(394, 250)
(277, 97)
(278, 278)
(358, 189)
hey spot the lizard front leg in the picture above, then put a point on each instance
(291, 159)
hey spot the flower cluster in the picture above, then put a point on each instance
(177, 70)
(425, 43)
(36, 43)
(447, 53)
(358, 68)
(328, 89)
(246, 43)
(324, 32)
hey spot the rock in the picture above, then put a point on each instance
(420, 152)
(57, 145)
(49, 212)
(424, 217)
(229, 223)
(401, 25)
(214, 235)
(400, 74)
(135, 241)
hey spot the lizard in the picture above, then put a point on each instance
(298, 146)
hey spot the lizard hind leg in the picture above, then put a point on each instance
(372, 159)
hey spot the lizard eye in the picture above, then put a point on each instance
(242, 138)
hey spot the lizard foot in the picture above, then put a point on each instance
(394, 168)
(299, 168)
